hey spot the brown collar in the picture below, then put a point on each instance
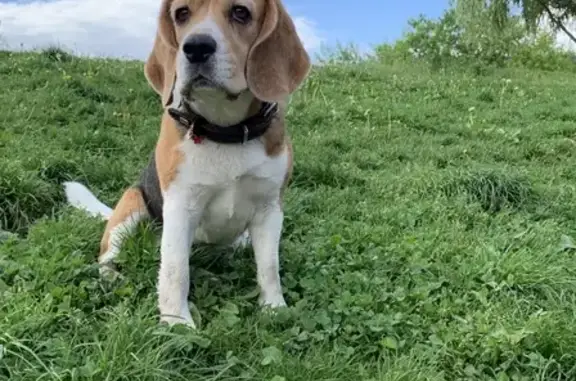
(198, 128)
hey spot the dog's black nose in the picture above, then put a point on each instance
(199, 48)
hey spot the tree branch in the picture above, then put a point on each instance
(557, 21)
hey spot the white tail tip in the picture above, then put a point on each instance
(80, 197)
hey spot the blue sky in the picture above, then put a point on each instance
(364, 22)
(125, 28)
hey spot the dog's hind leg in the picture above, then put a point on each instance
(129, 211)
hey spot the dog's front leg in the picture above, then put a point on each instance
(182, 211)
(265, 231)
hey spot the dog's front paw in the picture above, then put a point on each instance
(272, 307)
(109, 273)
(273, 302)
(173, 320)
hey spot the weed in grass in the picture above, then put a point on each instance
(493, 191)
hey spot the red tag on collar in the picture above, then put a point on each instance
(197, 139)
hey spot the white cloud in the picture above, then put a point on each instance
(113, 28)
(308, 33)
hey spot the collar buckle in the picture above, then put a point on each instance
(185, 122)
(269, 108)
(246, 132)
(180, 117)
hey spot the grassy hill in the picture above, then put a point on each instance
(427, 236)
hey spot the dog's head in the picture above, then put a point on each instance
(220, 55)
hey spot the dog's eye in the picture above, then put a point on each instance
(240, 14)
(181, 15)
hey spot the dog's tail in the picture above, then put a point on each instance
(80, 197)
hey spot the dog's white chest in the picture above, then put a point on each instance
(231, 209)
(236, 180)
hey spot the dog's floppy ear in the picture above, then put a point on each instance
(277, 62)
(160, 67)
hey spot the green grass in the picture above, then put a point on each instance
(428, 232)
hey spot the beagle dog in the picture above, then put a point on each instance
(224, 70)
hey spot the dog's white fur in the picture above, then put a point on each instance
(80, 197)
(221, 192)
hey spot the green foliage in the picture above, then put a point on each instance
(469, 39)
(396, 53)
(433, 41)
(340, 54)
(542, 54)
(429, 232)
(532, 11)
